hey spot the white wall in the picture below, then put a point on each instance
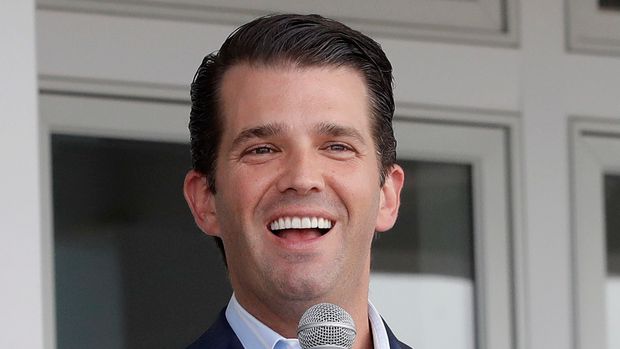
(21, 227)
(555, 86)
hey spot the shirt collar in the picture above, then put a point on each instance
(254, 334)
(380, 338)
(251, 332)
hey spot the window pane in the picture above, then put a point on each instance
(612, 224)
(427, 259)
(131, 268)
(433, 234)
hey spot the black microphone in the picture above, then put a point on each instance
(326, 326)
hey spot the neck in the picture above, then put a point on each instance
(284, 317)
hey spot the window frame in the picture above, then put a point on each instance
(486, 147)
(595, 149)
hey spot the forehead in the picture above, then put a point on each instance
(252, 95)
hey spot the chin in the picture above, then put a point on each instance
(303, 289)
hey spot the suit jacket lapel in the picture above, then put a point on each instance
(219, 336)
(394, 342)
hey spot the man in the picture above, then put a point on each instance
(294, 172)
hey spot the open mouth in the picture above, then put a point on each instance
(301, 228)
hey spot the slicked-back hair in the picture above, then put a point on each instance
(298, 41)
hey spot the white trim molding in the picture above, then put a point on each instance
(492, 22)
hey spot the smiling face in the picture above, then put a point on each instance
(298, 189)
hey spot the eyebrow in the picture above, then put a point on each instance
(262, 131)
(335, 130)
(278, 128)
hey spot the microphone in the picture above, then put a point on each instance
(326, 326)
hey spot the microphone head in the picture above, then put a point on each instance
(326, 325)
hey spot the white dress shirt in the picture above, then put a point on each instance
(253, 334)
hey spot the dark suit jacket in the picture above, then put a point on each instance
(221, 336)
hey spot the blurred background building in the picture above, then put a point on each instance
(508, 123)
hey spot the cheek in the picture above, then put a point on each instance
(239, 182)
(362, 201)
(362, 187)
(240, 193)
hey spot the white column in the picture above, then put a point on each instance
(21, 229)
(546, 175)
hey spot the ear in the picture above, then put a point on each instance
(390, 198)
(201, 202)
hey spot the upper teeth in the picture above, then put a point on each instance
(300, 223)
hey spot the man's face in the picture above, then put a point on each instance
(298, 195)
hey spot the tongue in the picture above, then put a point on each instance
(299, 234)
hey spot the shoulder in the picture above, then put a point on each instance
(219, 336)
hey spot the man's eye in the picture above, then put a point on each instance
(337, 147)
(261, 150)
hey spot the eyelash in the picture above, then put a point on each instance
(260, 150)
(342, 147)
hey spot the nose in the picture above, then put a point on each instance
(302, 173)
